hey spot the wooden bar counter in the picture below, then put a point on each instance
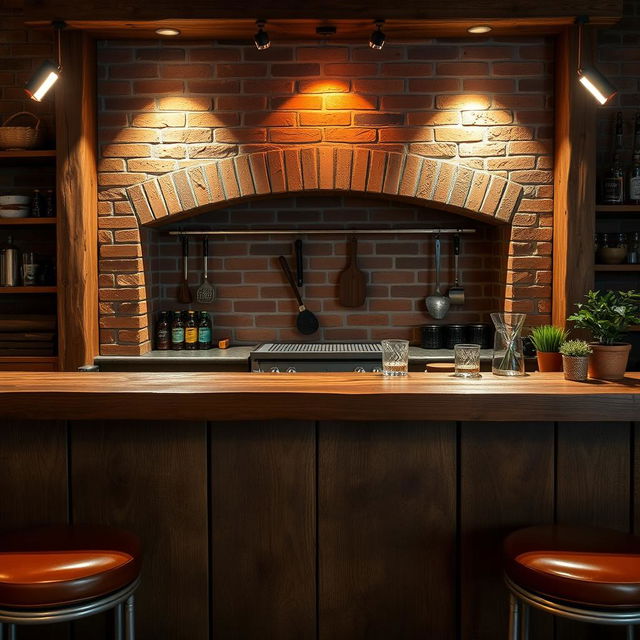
(329, 506)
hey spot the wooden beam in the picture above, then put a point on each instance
(574, 182)
(131, 10)
(77, 203)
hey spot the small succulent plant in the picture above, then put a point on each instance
(576, 349)
(548, 339)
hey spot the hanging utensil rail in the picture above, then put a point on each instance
(323, 232)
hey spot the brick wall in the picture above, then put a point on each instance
(486, 104)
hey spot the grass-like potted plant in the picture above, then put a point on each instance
(547, 340)
(608, 315)
(575, 359)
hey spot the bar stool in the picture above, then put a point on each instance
(580, 573)
(65, 572)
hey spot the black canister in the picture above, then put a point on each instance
(454, 334)
(432, 336)
(480, 334)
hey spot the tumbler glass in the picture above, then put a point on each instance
(467, 360)
(395, 357)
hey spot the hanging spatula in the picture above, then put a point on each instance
(306, 322)
(205, 293)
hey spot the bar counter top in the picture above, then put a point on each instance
(314, 396)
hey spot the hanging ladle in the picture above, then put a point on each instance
(437, 304)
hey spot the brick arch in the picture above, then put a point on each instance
(406, 177)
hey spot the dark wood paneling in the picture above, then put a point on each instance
(263, 530)
(387, 521)
(33, 486)
(151, 478)
(593, 488)
(76, 114)
(33, 473)
(506, 483)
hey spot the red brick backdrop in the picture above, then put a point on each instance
(485, 104)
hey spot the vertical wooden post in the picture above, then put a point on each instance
(574, 180)
(77, 202)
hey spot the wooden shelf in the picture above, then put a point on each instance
(616, 267)
(17, 222)
(18, 359)
(635, 328)
(10, 290)
(617, 208)
(27, 154)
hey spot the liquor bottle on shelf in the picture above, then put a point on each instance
(50, 205)
(36, 204)
(204, 331)
(634, 174)
(191, 332)
(633, 248)
(163, 334)
(177, 332)
(613, 184)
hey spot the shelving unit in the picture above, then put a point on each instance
(34, 300)
(616, 267)
(27, 290)
(27, 222)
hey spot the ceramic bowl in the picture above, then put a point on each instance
(15, 212)
(612, 255)
(13, 200)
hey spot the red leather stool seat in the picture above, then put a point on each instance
(594, 567)
(65, 564)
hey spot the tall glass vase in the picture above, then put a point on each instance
(508, 356)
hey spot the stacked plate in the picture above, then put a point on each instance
(14, 206)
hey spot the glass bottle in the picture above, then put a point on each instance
(634, 173)
(163, 334)
(36, 204)
(613, 185)
(633, 248)
(508, 350)
(204, 331)
(177, 332)
(50, 206)
(191, 332)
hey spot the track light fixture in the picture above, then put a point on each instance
(590, 78)
(262, 37)
(47, 73)
(376, 41)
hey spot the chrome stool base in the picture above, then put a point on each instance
(122, 603)
(521, 600)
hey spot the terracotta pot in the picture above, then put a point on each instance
(575, 367)
(549, 361)
(609, 361)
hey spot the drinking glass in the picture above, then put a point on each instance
(395, 357)
(29, 269)
(467, 358)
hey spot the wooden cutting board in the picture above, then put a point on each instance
(352, 283)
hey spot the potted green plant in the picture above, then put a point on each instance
(608, 315)
(547, 340)
(575, 359)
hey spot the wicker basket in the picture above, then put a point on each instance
(21, 137)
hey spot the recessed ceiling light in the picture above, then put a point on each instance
(168, 31)
(480, 28)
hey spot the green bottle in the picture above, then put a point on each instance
(204, 331)
(177, 332)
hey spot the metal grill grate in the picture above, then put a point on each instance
(316, 347)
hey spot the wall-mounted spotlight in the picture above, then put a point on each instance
(168, 31)
(47, 73)
(590, 78)
(262, 37)
(376, 41)
(480, 28)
